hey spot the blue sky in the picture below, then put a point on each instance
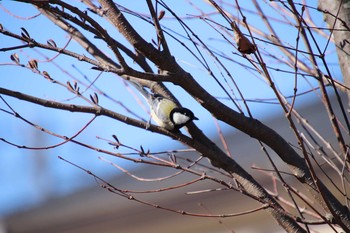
(29, 177)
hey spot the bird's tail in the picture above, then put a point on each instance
(141, 89)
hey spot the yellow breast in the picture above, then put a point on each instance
(161, 113)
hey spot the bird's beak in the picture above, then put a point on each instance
(195, 118)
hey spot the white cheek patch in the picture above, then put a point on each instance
(180, 118)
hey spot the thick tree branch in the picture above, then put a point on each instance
(247, 125)
(209, 150)
(161, 59)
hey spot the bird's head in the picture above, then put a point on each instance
(181, 116)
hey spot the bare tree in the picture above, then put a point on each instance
(263, 53)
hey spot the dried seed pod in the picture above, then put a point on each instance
(33, 64)
(243, 43)
(25, 34)
(52, 43)
(70, 87)
(47, 76)
(14, 57)
(94, 98)
(161, 14)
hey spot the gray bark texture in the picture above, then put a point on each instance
(337, 16)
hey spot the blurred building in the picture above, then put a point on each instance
(95, 209)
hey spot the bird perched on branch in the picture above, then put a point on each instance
(164, 111)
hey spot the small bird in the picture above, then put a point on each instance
(165, 112)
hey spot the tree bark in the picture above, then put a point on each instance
(337, 16)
